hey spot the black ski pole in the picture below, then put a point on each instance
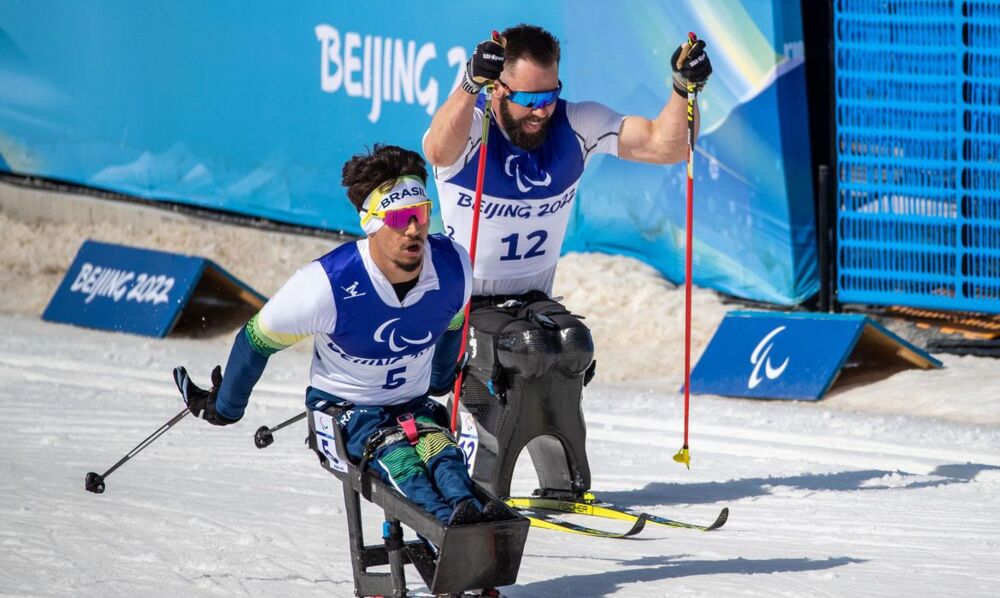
(264, 436)
(95, 482)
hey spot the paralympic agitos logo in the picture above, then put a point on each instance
(380, 336)
(382, 69)
(761, 357)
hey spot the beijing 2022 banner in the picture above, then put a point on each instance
(253, 107)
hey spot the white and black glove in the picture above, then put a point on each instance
(201, 402)
(485, 65)
(690, 64)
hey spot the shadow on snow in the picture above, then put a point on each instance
(660, 493)
(604, 583)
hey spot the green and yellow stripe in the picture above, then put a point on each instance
(267, 342)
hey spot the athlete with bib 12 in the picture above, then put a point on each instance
(538, 147)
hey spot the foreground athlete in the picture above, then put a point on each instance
(376, 308)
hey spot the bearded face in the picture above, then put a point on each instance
(527, 131)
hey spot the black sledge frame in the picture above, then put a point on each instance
(475, 556)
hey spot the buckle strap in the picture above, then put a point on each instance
(409, 426)
(408, 429)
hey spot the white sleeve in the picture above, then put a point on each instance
(303, 306)
(596, 127)
(443, 173)
(463, 255)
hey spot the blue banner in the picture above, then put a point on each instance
(254, 107)
(125, 289)
(141, 291)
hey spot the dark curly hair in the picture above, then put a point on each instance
(531, 42)
(365, 171)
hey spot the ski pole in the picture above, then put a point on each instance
(487, 111)
(95, 482)
(684, 455)
(264, 436)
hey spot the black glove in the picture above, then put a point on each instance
(202, 402)
(485, 65)
(690, 64)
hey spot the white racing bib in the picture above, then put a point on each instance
(326, 434)
(469, 440)
(517, 237)
(528, 196)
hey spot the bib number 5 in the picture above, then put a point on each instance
(394, 378)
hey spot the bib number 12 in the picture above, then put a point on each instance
(538, 237)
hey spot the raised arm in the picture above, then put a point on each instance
(449, 131)
(663, 140)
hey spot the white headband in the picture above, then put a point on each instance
(405, 191)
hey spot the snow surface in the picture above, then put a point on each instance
(888, 487)
(823, 502)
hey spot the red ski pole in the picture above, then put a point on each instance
(683, 455)
(487, 113)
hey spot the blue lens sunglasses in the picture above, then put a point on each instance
(532, 99)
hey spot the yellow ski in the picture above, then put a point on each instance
(590, 506)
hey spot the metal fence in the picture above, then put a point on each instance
(917, 86)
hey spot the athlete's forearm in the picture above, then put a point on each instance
(662, 140)
(243, 370)
(449, 129)
(669, 136)
(446, 352)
